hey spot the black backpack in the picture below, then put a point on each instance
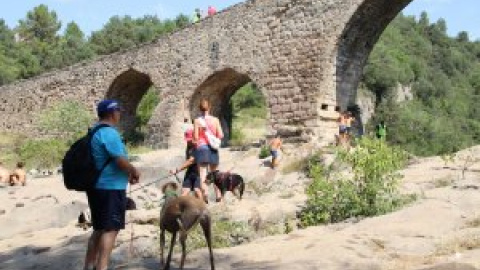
(78, 165)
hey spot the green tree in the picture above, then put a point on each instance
(147, 106)
(29, 63)
(74, 46)
(424, 21)
(463, 36)
(68, 120)
(248, 96)
(118, 33)
(38, 33)
(40, 24)
(125, 32)
(9, 69)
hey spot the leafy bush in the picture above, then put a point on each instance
(9, 145)
(225, 233)
(237, 137)
(69, 120)
(45, 153)
(369, 189)
(247, 96)
(264, 152)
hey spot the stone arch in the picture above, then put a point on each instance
(356, 42)
(218, 88)
(129, 87)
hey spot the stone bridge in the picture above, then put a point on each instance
(305, 56)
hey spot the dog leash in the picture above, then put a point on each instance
(132, 233)
(178, 179)
(149, 183)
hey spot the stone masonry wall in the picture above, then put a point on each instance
(306, 56)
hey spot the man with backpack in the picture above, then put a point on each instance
(107, 199)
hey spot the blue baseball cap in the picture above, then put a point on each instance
(107, 105)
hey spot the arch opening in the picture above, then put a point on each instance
(129, 88)
(410, 74)
(237, 102)
(357, 41)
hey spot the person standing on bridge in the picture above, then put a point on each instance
(205, 155)
(211, 11)
(197, 15)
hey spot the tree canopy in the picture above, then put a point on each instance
(36, 44)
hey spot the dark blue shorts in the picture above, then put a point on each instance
(107, 208)
(206, 155)
(191, 181)
(274, 153)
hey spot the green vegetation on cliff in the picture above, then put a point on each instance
(444, 76)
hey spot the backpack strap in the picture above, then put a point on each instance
(92, 132)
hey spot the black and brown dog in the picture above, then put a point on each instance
(227, 181)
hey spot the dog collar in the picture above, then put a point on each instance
(170, 193)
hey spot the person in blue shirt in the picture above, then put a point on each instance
(107, 201)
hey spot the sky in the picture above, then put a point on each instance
(91, 15)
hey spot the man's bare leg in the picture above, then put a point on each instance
(106, 243)
(92, 250)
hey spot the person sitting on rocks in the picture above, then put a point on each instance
(18, 176)
(4, 175)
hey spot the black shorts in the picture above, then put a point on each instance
(107, 208)
(191, 181)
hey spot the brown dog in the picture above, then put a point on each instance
(180, 214)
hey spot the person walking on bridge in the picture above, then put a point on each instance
(211, 11)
